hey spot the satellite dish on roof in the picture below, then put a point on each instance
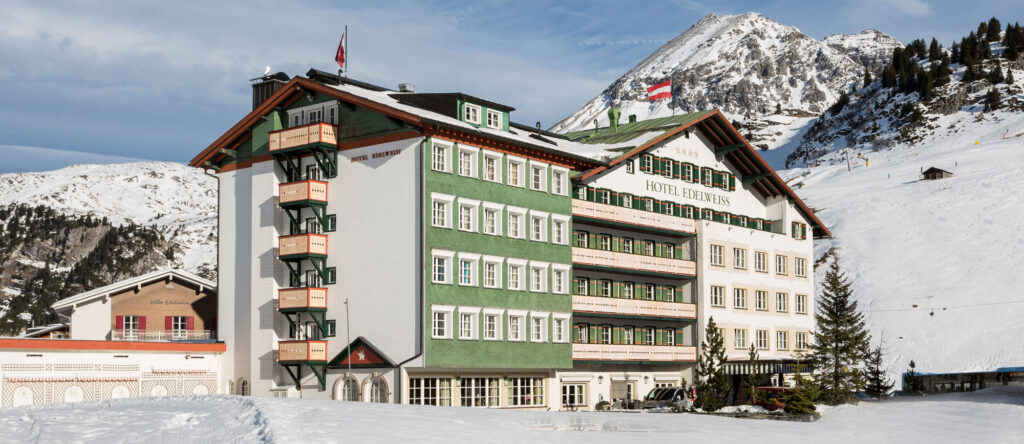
(266, 70)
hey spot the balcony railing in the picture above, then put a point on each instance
(625, 261)
(644, 353)
(313, 191)
(633, 307)
(302, 351)
(302, 299)
(632, 216)
(302, 244)
(304, 135)
(161, 335)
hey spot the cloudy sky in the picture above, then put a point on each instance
(86, 81)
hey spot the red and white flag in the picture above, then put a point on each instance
(660, 91)
(340, 55)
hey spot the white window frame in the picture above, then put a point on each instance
(736, 292)
(800, 343)
(442, 163)
(717, 255)
(474, 210)
(542, 285)
(497, 118)
(516, 228)
(473, 260)
(519, 316)
(559, 181)
(739, 258)
(498, 166)
(781, 265)
(326, 111)
(574, 394)
(447, 312)
(542, 234)
(740, 338)
(781, 302)
(466, 114)
(498, 316)
(561, 328)
(761, 261)
(782, 340)
(473, 152)
(717, 297)
(538, 182)
(518, 177)
(447, 201)
(559, 229)
(670, 336)
(449, 259)
(799, 267)
(801, 303)
(761, 339)
(473, 314)
(760, 300)
(517, 280)
(560, 285)
(627, 290)
(540, 335)
(498, 264)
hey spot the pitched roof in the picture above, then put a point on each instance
(117, 287)
(936, 170)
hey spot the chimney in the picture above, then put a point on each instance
(266, 86)
(613, 118)
(406, 87)
(538, 125)
(632, 118)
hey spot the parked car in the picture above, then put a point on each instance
(770, 397)
(666, 397)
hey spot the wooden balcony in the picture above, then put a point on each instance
(632, 307)
(302, 245)
(616, 215)
(292, 300)
(634, 353)
(301, 352)
(304, 136)
(633, 262)
(302, 193)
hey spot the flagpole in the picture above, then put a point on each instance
(346, 51)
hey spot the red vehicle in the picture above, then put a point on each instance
(770, 397)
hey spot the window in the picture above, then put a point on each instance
(583, 335)
(492, 272)
(378, 390)
(650, 292)
(516, 271)
(130, 326)
(781, 302)
(801, 304)
(471, 113)
(559, 279)
(349, 389)
(627, 246)
(537, 173)
(760, 262)
(441, 273)
(761, 300)
(604, 196)
(467, 162)
(492, 325)
(538, 226)
(670, 293)
(492, 219)
(516, 321)
(179, 327)
(780, 264)
(559, 230)
(739, 298)
(762, 339)
(629, 166)
(430, 391)
(581, 238)
(494, 119)
(650, 335)
(649, 204)
(801, 340)
(717, 296)
(313, 279)
(538, 277)
(604, 242)
(574, 395)
(526, 392)
(442, 319)
(739, 258)
(467, 214)
(560, 325)
(717, 255)
(604, 288)
(559, 181)
(627, 201)
(516, 216)
(583, 286)
(467, 269)
(468, 322)
(515, 171)
(649, 248)
(492, 167)
(670, 251)
(740, 338)
(627, 335)
(606, 334)
(782, 340)
(440, 215)
(480, 392)
(538, 327)
(441, 153)
(627, 290)
(313, 172)
(800, 266)
(670, 336)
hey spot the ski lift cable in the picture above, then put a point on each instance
(947, 308)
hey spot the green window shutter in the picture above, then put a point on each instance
(659, 336)
(616, 244)
(593, 334)
(679, 251)
(657, 249)
(732, 182)
(803, 231)
(679, 338)
(676, 169)
(591, 194)
(767, 225)
(638, 336)
(592, 240)
(576, 334)
(615, 335)
(616, 289)
(659, 292)
(592, 287)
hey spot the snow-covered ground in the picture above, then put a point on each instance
(994, 415)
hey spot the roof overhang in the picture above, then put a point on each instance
(135, 282)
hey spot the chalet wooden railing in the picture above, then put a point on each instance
(302, 244)
(303, 190)
(296, 298)
(303, 135)
(302, 351)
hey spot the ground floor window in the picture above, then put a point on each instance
(348, 389)
(480, 392)
(574, 395)
(665, 384)
(430, 391)
(524, 392)
(378, 390)
(623, 390)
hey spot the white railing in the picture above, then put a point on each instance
(161, 335)
(304, 135)
(612, 259)
(632, 216)
(619, 352)
(635, 307)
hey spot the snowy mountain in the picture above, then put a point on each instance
(745, 65)
(179, 200)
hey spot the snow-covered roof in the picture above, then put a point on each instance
(138, 281)
(41, 330)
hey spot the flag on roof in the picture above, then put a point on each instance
(662, 90)
(340, 55)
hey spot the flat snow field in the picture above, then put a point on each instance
(994, 415)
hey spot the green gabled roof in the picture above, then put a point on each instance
(630, 131)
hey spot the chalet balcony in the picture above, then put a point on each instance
(303, 193)
(298, 246)
(162, 335)
(304, 137)
(291, 300)
(301, 352)
(634, 353)
(628, 217)
(633, 262)
(632, 307)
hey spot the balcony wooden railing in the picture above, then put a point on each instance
(302, 351)
(632, 216)
(633, 307)
(299, 244)
(304, 135)
(647, 353)
(302, 191)
(626, 261)
(161, 335)
(295, 299)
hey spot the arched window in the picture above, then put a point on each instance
(376, 388)
(346, 388)
(243, 387)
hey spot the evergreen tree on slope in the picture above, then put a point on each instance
(878, 386)
(840, 342)
(712, 383)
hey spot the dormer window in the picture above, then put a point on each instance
(494, 119)
(471, 113)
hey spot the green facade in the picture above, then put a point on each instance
(479, 353)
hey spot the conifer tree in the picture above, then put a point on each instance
(800, 398)
(878, 385)
(1009, 77)
(993, 31)
(754, 379)
(889, 77)
(924, 81)
(712, 382)
(841, 340)
(912, 382)
(992, 100)
(982, 30)
(934, 52)
(867, 78)
(996, 75)
(778, 108)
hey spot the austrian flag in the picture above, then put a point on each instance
(660, 91)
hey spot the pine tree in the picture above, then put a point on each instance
(712, 382)
(878, 386)
(1009, 77)
(924, 81)
(867, 78)
(982, 30)
(934, 52)
(996, 75)
(912, 382)
(992, 100)
(993, 31)
(800, 398)
(841, 340)
(754, 379)
(954, 50)
(778, 108)
(889, 77)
